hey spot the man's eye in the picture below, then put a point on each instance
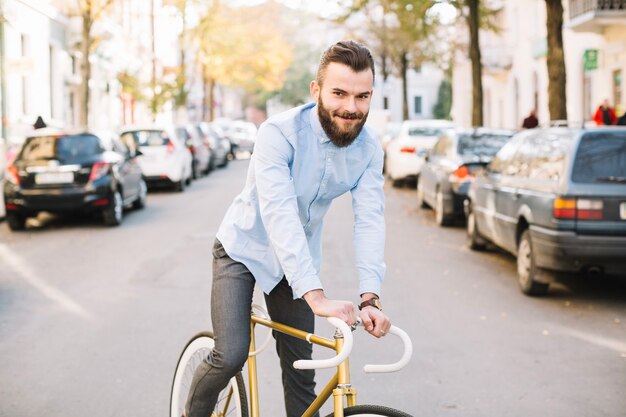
(338, 93)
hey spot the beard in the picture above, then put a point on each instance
(338, 135)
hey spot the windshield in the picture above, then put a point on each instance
(62, 148)
(425, 131)
(485, 144)
(601, 157)
(148, 137)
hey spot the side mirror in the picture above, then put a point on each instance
(138, 153)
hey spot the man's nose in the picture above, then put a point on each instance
(350, 105)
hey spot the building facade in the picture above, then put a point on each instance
(515, 76)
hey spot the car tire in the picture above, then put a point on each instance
(180, 185)
(140, 202)
(527, 270)
(16, 221)
(194, 170)
(441, 217)
(113, 214)
(474, 240)
(420, 196)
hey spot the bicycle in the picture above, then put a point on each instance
(232, 399)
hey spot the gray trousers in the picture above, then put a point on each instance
(231, 300)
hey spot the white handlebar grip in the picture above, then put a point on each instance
(406, 357)
(334, 361)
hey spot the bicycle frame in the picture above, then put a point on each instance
(338, 386)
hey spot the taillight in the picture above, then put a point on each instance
(407, 149)
(192, 149)
(99, 170)
(13, 175)
(462, 173)
(580, 209)
(170, 147)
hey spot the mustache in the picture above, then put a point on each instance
(350, 116)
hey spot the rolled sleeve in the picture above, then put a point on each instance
(368, 202)
(279, 209)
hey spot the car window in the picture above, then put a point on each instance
(63, 148)
(502, 163)
(481, 144)
(542, 156)
(147, 137)
(424, 131)
(601, 157)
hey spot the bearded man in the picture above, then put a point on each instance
(271, 235)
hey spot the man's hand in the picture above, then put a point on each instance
(375, 321)
(323, 307)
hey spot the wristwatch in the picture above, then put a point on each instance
(372, 302)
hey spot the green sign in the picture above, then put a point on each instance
(590, 59)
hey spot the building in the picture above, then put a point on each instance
(515, 75)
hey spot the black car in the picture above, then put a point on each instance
(450, 167)
(63, 172)
(555, 198)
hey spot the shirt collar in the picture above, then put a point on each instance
(316, 125)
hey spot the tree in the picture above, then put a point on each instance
(556, 61)
(91, 11)
(477, 69)
(441, 110)
(242, 47)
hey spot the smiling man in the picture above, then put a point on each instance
(271, 234)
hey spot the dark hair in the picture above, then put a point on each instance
(350, 53)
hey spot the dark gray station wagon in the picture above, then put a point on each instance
(555, 198)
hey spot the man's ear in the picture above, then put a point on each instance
(315, 90)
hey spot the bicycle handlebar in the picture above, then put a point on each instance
(347, 348)
(334, 361)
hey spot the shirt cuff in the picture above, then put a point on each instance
(303, 285)
(371, 285)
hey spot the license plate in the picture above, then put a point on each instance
(622, 211)
(54, 178)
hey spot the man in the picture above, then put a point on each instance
(531, 121)
(271, 235)
(605, 115)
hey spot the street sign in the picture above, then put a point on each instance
(590, 59)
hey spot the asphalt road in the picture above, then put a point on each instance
(92, 319)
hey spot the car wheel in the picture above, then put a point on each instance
(140, 202)
(420, 196)
(527, 271)
(194, 170)
(16, 221)
(441, 217)
(113, 214)
(474, 240)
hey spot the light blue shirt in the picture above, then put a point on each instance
(274, 226)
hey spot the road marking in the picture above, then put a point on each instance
(19, 266)
(606, 342)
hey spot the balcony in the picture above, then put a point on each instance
(595, 15)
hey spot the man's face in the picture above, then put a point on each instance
(343, 102)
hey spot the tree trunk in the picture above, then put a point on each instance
(211, 99)
(405, 90)
(85, 69)
(477, 81)
(557, 100)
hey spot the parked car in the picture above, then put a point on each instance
(242, 136)
(219, 144)
(200, 149)
(165, 159)
(555, 198)
(60, 171)
(450, 168)
(404, 155)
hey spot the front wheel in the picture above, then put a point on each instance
(371, 410)
(232, 401)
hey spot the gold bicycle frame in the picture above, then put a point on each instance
(338, 386)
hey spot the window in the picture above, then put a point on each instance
(417, 104)
(601, 157)
(502, 163)
(385, 103)
(542, 156)
(65, 148)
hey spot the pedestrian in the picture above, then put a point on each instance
(622, 120)
(271, 235)
(605, 114)
(531, 121)
(39, 123)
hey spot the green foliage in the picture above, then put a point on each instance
(441, 110)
